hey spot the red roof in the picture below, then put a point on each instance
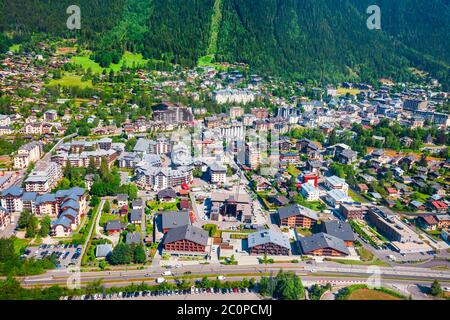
(430, 220)
(363, 186)
(391, 190)
(439, 205)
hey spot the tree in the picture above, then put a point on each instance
(436, 289)
(107, 207)
(24, 219)
(45, 227)
(288, 286)
(31, 228)
(121, 254)
(139, 254)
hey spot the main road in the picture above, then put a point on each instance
(121, 277)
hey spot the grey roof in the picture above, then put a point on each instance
(72, 191)
(174, 219)
(137, 203)
(48, 197)
(189, 233)
(136, 215)
(322, 240)
(64, 221)
(133, 238)
(113, 225)
(338, 229)
(13, 191)
(167, 193)
(296, 209)
(71, 203)
(70, 212)
(29, 196)
(268, 236)
(103, 250)
(122, 197)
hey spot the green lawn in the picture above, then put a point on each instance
(162, 206)
(128, 60)
(356, 197)
(15, 48)
(71, 81)
(19, 244)
(108, 217)
(293, 171)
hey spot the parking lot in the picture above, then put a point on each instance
(64, 254)
(189, 294)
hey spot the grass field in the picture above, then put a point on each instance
(367, 294)
(128, 60)
(71, 81)
(20, 244)
(15, 48)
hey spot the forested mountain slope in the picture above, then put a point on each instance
(304, 39)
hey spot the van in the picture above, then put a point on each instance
(160, 280)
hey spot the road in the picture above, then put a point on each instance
(48, 155)
(406, 275)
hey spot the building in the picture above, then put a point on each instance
(103, 250)
(113, 227)
(5, 218)
(156, 178)
(136, 216)
(336, 183)
(174, 219)
(172, 113)
(310, 192)
(186, 240)
(268, 242)
(122, 200)
(133, 238)
(297, 216)
(260, 113)
(252, 156)
(27, 154)
(415, 105)
(44, 177)
(233, 96)
(231, 206)
(236, 112)
(217, 173)
(353, 211)
(322, 244)
(167, 195)
(336, 197)
(339, 229)
(11, 199)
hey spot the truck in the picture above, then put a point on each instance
(160, 280)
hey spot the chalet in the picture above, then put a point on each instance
(439, 206)
(122, 200)
(322, 244)
(279, 200)
(114, 227)
(362, 188)
(185, 205)
(417, 205)
(186, 240)
(268, 242)
(261, 184)
(347, 156)
(137, 204)
(297, 216)
(103, 250)
(428, 222)
(443, 220)
(133, 238)
(290, 157)
(339, 229)
(174, 219)
(392, 193)
(136, 216)
(167, 195)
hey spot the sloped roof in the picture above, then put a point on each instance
(133, 238)
(189, 233)
(175, 219)
(103, 250)
(268, 236)
(296, 209)
(322, 240)
(338, 229)
(13, 191)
